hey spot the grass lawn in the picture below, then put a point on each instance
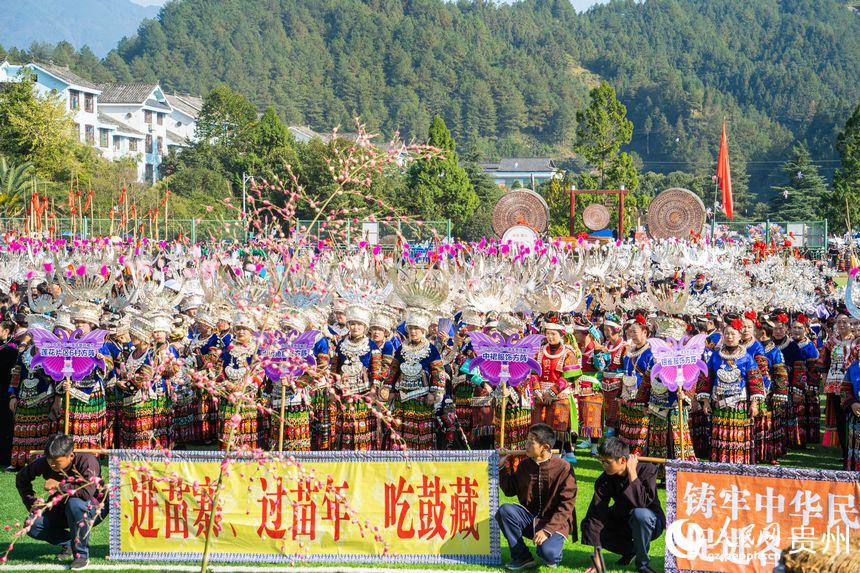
(576, 556)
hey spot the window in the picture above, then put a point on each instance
(148, 174)
(116, 142)
(88, 103)
(147, 117)
(91, 134)
(76, 131)
(149, 143)
(160, 145)
(160, 118)
(132, 144)
(74, 100)
(103, 138)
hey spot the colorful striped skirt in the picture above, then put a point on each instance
(665, 437)
(137, 428)
(732, 436)
(88, 420)
(612, 403)
(323, 407)
(415, 424)
(297, 424)
(832, 408)
(700, 433)
(812, 417)
(186, 429)
(355, 426)
(765, 452)
(245, 436)
(31, 430)
(517, 423)
(633, 427)
(463, 393)
(852, 462)
(556, 416)
(205, 416)
(113, 406)
(591, 415)
(779, 412)
(795, 429)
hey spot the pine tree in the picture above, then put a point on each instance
(805, 195)
(439, 188)
(603, 129)
(846, 180)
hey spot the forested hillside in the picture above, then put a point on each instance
(509, 78)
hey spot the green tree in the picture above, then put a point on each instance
(36, 128)
(480, 224)
(846, 181)
(15, 183)
(603, 129)
(805, 195)
(225, 116)
(438, 187)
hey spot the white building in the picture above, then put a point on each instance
(121, 120)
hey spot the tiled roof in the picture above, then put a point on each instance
(526, 164)
(106, 119)
(189, 105)
(66, 75)
(155, 104)
(175, 138)
(305, 133)
(126, 93)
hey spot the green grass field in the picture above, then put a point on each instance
(576, 556)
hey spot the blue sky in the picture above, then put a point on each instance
(580, 5)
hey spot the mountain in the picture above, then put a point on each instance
(508, 78)
(99, 24)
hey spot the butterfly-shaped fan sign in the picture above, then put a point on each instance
(290, 355)
(503, 360)
(677, 363)
(68, 355)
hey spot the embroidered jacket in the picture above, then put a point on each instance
(559, 371)
(778, 373)
(416, 372)
(851, 386)
(613, 367)
(731, 382)
(358, 364)
(637, 372)
(834, 362)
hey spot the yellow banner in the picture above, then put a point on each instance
(392, 506)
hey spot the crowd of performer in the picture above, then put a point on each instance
(387, 377)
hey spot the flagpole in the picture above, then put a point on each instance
(714, 218)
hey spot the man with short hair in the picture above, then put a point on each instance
(635, 516)
(77, 478)
(545, 487)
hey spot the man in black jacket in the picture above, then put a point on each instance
(76, 478)
(634, 516)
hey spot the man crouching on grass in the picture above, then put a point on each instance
(635, 518)
(546, 489)
(75, 477)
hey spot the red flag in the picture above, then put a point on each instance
(724, 173)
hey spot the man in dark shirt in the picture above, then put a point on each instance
(546, 490)
(75, 477)
(634, 516)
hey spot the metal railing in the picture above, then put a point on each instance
(168, 230)
(385, 233)
(809, 236)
